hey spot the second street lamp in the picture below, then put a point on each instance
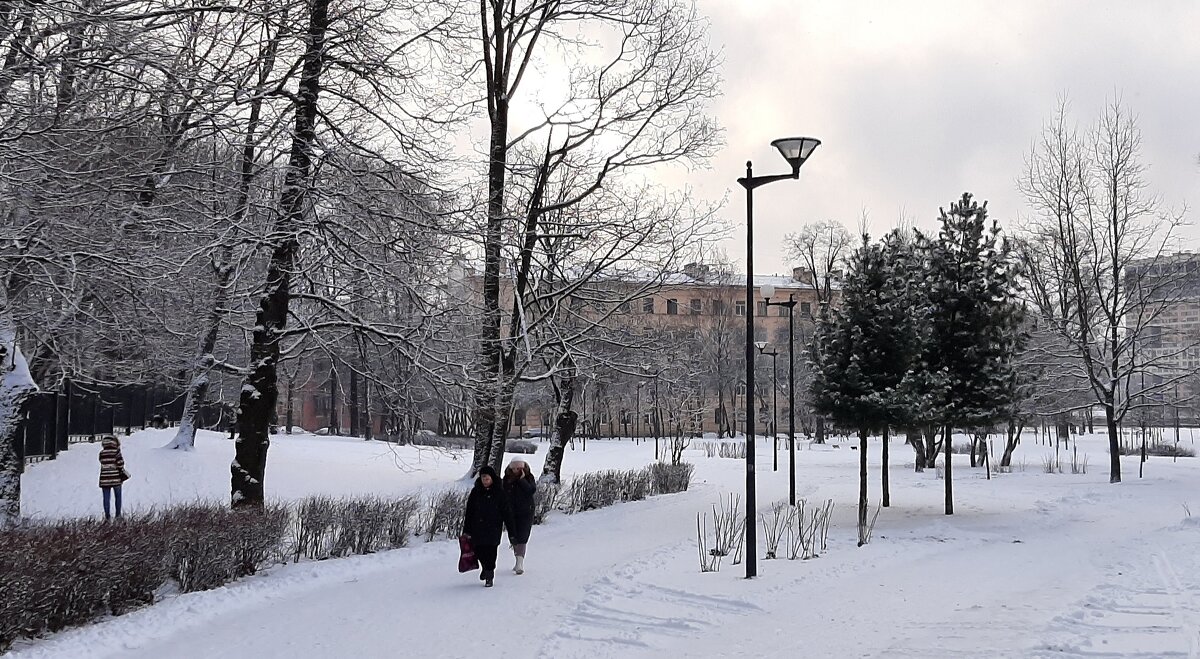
(768, 292)
(762, 350)
(795, 150)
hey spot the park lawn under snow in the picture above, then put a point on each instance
(1031, 565)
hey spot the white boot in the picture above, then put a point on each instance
(520, 568)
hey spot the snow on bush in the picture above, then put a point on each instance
(547, 498)
(605, 488)
(670, 478)
(70, 572)
(325, 527)
(443, 514)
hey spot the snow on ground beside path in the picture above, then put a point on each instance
(1032, 565)
(297, 466)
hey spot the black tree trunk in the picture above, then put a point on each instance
(949, 479)
(862, 486)
(260, 392)
(887, 493)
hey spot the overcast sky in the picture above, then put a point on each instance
(917, 102)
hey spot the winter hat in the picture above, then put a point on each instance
(487, 469)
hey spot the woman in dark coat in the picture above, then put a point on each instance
(112, 473)
(485, 518)
(520, 487)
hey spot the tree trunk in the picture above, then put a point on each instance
(185, 437)
(917, 443)
(490, 388)
(354, 409)
(820, 423)
(887, 493)
(931, 446)
(862, 486)
(946, 442)
(335, 417)
(16, 386)
(564, 432)
(261, 388)
(501, 414)
(291, 405)
(1014, 439)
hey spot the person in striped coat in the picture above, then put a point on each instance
(112, 473)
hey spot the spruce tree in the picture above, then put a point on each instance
(971, 283)
(861, 353)
(898, 334)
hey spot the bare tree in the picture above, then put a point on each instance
(821, 248)
(1098, 258)
(642, 106)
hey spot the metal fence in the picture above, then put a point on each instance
(52, 420)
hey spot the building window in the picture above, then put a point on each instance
(719, 308)
(739, 308)
(782, 311)
(672, 306)
(519, 416)
(648, 305)
(697, 306)
(762, 307)
(805, 308)
(623, 307)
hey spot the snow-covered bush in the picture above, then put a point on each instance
(548, 497)
(328, 528)
(210, 545)
(604, 488)
(724, 449)
(443, 514)
(68, 573)
(1166, 450)
(670, 478)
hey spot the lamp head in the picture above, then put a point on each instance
(767, 290)
(761, 345)
(796, 150)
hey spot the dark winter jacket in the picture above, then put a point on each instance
(520, 493)
(487, 511)
(112, 464)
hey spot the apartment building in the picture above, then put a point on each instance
(1167, 295)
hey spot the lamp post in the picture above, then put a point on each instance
(762, 350)
(768, 292)
(795, 150)
(637, 416)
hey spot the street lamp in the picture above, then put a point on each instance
(795, 150)
(762, 350)
(637, 416)
(768, 292)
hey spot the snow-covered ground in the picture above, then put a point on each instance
(1031, 565)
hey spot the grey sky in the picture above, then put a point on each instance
(917, 102)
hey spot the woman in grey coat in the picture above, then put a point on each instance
(520, 487)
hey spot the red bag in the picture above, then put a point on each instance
(466, 558)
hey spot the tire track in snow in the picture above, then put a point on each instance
(628, 611)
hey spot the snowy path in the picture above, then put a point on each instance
(1033, 565)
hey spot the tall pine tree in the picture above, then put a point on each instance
(973, 321)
